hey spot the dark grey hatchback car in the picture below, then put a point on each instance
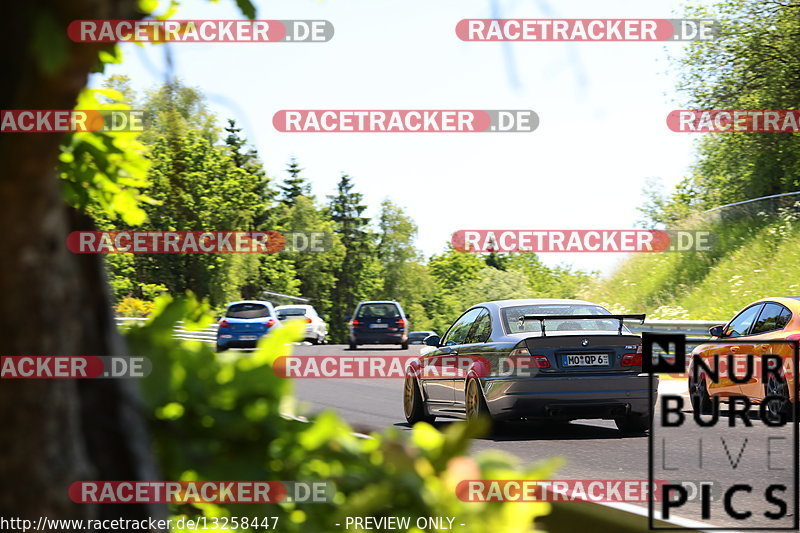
(533, 359)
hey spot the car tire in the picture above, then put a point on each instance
(413, 404)
(314, 341)
(220, 348)
(475, 405)
(404, 346)
(775, 386)
(698, 395)
(353, 346)
(633, 424)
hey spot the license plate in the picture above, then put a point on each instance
(248, 337)
(376, 326)
(586, 359)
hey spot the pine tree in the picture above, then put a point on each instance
(295, 185)
(358, 276)
(247, 159)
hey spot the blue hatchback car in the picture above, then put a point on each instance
(244, 323)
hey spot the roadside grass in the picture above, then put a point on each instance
(754, 257)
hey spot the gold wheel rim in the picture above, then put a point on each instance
(408, 396)
(472, 401)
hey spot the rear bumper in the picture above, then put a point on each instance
(235, 340)
(569, 397)
(379, 337)
(237, 344)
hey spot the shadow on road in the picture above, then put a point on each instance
(376, 347)
(532, 431)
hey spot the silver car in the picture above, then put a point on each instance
(533, 359)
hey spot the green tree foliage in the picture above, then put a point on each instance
(492, 284)
(462, 279)
(195, 184)
(397, 252)
(198, 188)
(754, 63)
(103, 173)
(358, 277)
(315, 271)
(295, 185)
(273, 272)
(173, 109)
(548, 282)
(192, 185)
(453, 267)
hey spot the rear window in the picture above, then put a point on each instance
(291, 311)
(248, 311)
(378, 311)
(511, 318)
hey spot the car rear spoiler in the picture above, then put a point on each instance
(542, 318)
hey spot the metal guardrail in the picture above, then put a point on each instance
(696, 328)
(208, 334)
(751, 200)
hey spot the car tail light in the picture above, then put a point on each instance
(270, 322)
(539, 361)
(308, 320)
(401, 323)
(354, 322)
(224, 324)
(793, 337)
(632, 359)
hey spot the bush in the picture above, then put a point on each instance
(134, 307)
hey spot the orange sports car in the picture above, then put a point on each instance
(746, 337)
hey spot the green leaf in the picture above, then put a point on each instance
(247, 8)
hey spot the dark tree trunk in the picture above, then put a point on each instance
(52, 302)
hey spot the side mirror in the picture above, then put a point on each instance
(218, 318)
(347, 318)
(408, 317)
(432, 340)
(717, 331)
(321, 317)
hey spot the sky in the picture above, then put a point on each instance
(602, 108)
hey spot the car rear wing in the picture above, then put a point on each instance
(542, 318)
